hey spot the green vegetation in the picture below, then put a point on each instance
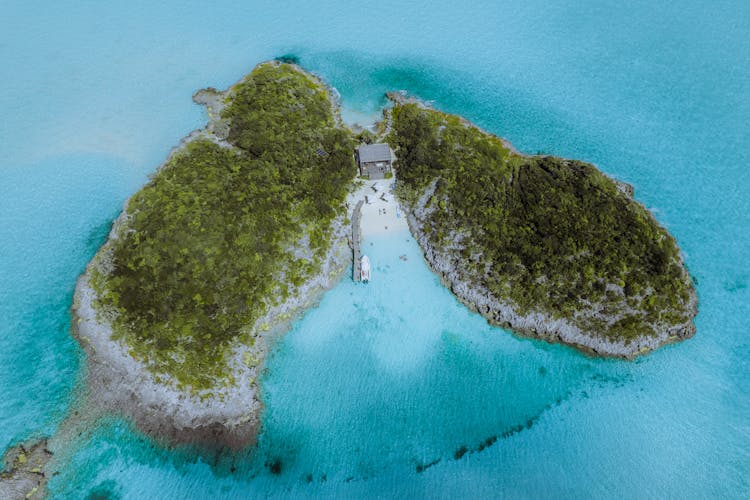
(366, 137)
(208, 243)
(544, 233)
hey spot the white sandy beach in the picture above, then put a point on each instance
(381, 212)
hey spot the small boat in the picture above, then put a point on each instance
(365, 265)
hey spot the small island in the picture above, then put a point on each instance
(547, 247)
(248, 222)
(241, 229)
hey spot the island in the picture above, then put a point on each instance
(241, 229)
(544, 246)
(249, 221)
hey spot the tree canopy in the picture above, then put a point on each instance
(545, 233)
(207, 245)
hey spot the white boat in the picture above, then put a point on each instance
(365, 266)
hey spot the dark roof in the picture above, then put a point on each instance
(374, 152)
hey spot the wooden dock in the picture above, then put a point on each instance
(357, 242)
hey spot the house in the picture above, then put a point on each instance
(374, 160)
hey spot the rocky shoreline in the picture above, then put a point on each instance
(24, 473)
(224, 417)
(535, 324)
(227, 416)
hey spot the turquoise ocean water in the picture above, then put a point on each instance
(395, 388)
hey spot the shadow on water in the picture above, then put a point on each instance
(106, 490)
(737, 284)
(288, 459)
(97, 236)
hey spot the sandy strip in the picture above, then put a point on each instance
(381, 212)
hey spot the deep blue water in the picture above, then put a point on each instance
(379, 382)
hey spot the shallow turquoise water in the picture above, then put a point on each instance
(380, 381)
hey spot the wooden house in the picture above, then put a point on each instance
(375, 160)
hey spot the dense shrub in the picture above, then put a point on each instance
(206, 248)
(546, 233)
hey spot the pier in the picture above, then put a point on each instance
(357, 242)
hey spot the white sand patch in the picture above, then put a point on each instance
(381, 212)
